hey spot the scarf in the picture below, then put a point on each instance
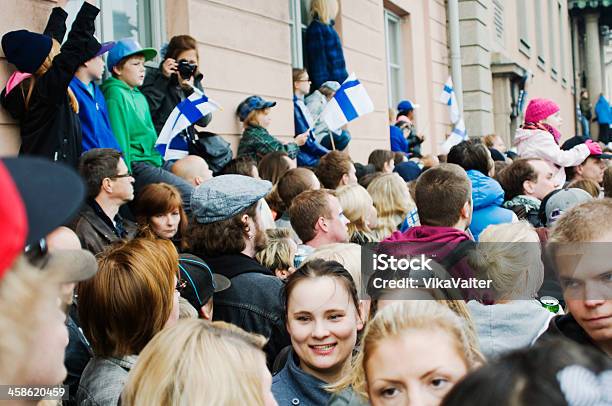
(544, 127)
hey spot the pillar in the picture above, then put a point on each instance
(593, 57)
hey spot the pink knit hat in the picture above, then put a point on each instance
(540, 109)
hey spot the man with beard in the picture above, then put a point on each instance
(226, 232)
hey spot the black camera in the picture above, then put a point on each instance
(186, 69)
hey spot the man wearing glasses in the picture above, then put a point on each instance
(110, 185)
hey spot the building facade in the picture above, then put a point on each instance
(511, 51)
(397, 49)
(592, 48)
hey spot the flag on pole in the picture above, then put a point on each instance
(458, 135)
(449, 98)
(171, 144)
(349, 102)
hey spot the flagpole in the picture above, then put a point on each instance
(331, 134)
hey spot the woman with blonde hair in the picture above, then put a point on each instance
(509, 255)
(211, 363)
(159, 212)
(358, 207)
(38, 96)
(279, 253)
(323, 45)
(131, 299)
(392, 201)
(412, 352)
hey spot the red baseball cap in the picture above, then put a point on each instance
(13, 219)
(38, 196)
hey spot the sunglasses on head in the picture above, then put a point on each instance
(36, 253)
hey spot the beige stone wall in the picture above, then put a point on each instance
(18, 14)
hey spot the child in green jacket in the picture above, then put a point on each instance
(256, 141)
(131, 121)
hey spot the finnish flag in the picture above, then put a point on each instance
(449, 98)
(171, 144)
(349, 102)
(458, 135)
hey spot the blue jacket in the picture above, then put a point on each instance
(398, 141)
(292, 386)
(324, 55)
(311, 151)
(603, 110)
(487, 197)
(93, 114)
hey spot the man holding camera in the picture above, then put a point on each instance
(174, 81)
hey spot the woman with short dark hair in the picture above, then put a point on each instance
(174, 81)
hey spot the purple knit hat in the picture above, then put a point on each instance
(540, 109)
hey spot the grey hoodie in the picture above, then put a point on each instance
(508, 326)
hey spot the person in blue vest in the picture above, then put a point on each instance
(487, 194)
(95, 126)
(312, 150)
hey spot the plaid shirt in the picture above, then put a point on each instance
(324, 54)
(257, 142)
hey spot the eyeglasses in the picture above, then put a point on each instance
(304, 80)
(36, 253)
(123, 175)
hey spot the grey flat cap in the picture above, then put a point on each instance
(222, 197)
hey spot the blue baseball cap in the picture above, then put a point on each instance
(106, 46)
(406, 105)
(127, 47)
(252, 103)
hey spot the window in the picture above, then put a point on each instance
(523, 28)
(139, 19)
(561, 44)
(539, 36)
(551, 37)
(393, 43)
(299, 18)
(498, 20)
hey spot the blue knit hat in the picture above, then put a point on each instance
(25, 49)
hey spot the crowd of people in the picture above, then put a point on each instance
(138, 279)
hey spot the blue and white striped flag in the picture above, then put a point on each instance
(449, 98)
(349, 102)
(171, 144)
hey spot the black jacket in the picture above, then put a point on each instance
(49, 126)
(163, 94)
(96, 233)
(253, 302)
(566, 326)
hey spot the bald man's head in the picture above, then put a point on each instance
(63, 238)
(193, 169)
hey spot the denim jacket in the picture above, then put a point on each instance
(252, 302)
(103, 380)
(293, 386)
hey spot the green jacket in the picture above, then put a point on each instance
(257, 142)
(131, 121)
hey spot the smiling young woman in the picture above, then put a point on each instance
(322, 318)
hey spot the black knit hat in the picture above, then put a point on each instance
(25, 49)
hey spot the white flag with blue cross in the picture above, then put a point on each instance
(350, 101)
(171, 143)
